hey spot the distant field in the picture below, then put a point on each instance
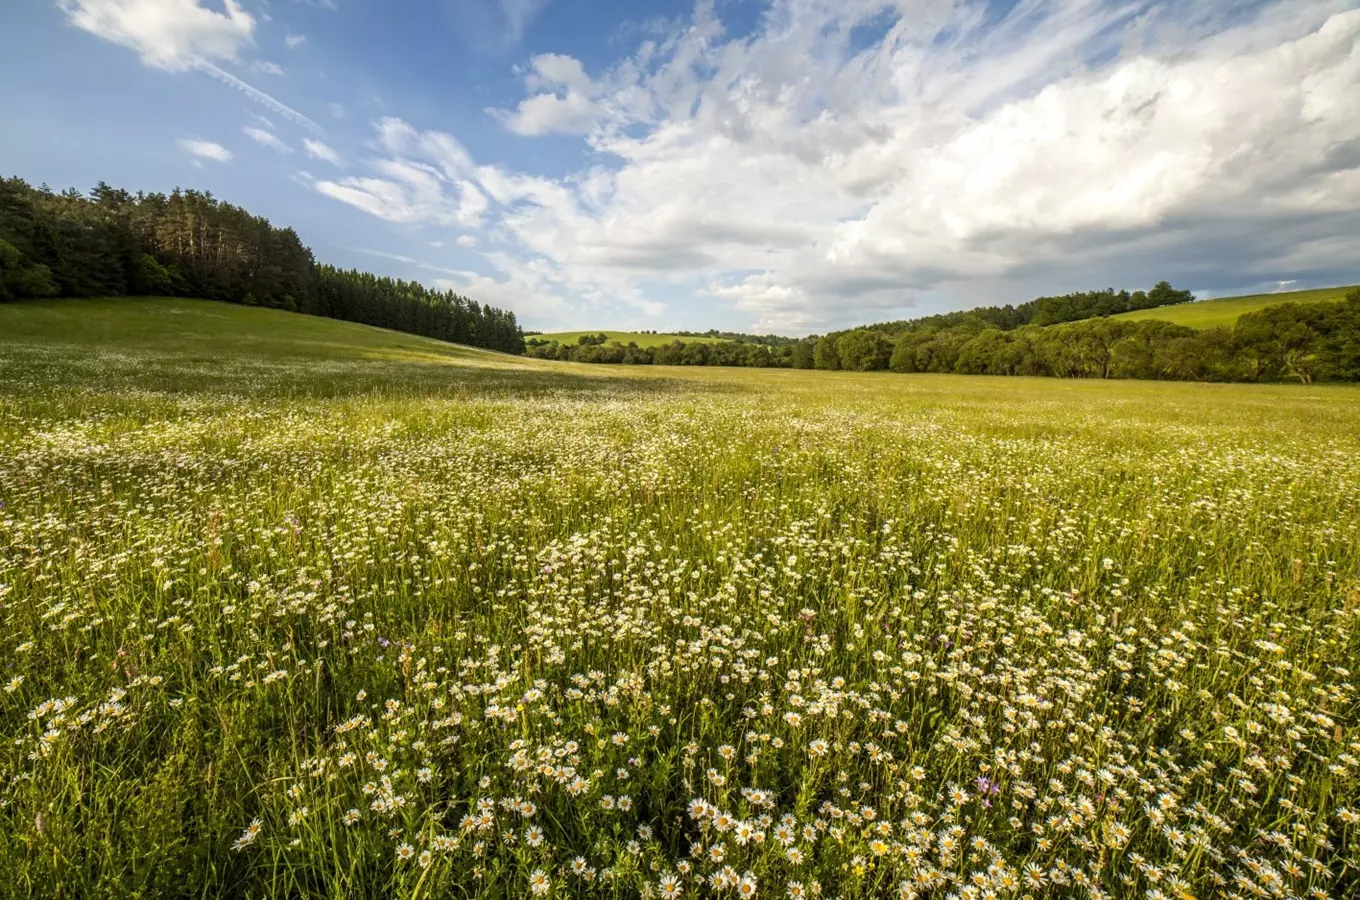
(624, 337)
(1225, 311)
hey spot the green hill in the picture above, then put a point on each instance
(1226, 310)
(642, 339)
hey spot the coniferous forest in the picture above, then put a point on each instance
(190, 244)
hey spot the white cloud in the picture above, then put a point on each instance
(167, 34)
(337, 110)
(564, 103)
(264, 67)
(318, 150)
(268, 138)
(548, 113)
(467, 240)
(410, 193)
(293, 41)
(206, 150)
(850, 159)
(443, 150)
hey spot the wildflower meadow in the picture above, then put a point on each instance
(297, 608)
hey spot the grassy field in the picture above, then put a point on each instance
(627, 337)
(1227, 310)
(296, 608)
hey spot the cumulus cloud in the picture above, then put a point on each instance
(206, 150)
(319, 150)
(849, 160)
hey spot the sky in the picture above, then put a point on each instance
(787, 166)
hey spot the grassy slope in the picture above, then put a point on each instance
(1226, 310)
(624, 337)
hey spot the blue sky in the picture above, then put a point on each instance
(787, 165)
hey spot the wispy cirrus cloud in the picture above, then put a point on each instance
(426, 177)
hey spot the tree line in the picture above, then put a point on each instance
(190, 244)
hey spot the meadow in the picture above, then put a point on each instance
(297, 608)
(1225, 311)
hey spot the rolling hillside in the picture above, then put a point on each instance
(1226, 310)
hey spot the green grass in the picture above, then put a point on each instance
(1225, 311)
(626, 337)
(286, 604)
